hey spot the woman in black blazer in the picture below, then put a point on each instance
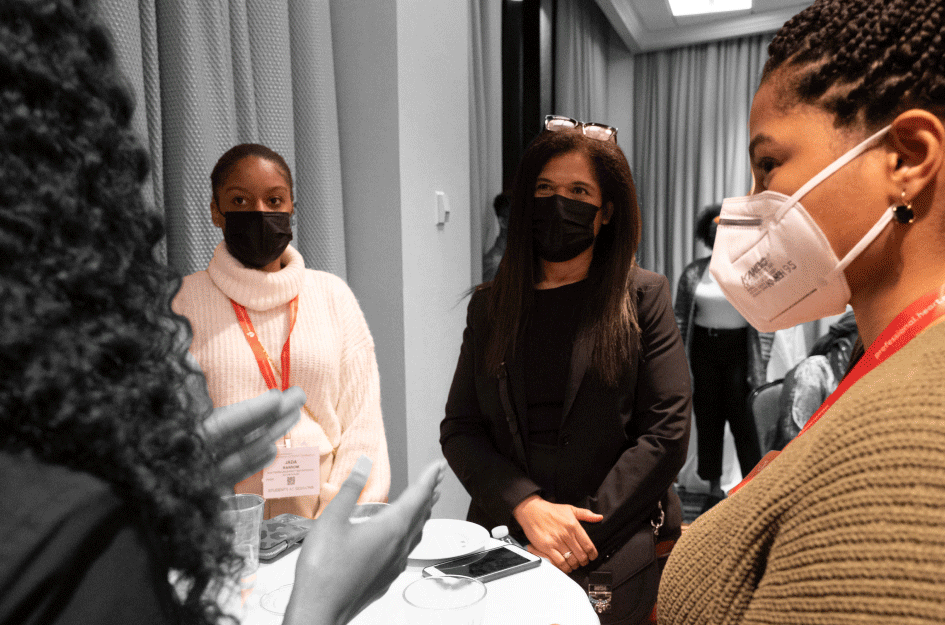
(568, 416)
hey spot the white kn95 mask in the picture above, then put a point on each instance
(774, 263)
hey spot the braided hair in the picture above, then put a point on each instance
(864, 60)
(92, 357)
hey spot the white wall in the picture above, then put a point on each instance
(433, 90)
(402, 78)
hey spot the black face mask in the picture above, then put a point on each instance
(562, 228)
(256, 238)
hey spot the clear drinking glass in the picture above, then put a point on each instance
(446, 600)
(276, 601)
(244, 513)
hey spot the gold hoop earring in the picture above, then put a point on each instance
(903, 212)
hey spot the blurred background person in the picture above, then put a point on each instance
(111, 465)
(490, 262)
(847, 146)
(727, 358)
(568, 416)
(262, 320)
(812, 380)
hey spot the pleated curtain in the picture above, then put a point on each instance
(582, 63)
(682, 115)
(485, 126)
(208, 75)
(690, 140)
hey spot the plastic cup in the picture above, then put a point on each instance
(446, 600)
(244, 513)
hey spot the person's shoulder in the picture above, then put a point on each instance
(644, 278)
(193, 283)
(44, 499)
(649, 284)
(24, 471)
(327, 281)
(479, 298)
(330, 287)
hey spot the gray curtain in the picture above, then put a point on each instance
(683, 119)
(690, 140)
(485, 126)
(682, 115)
(582, 63)
(208, 75)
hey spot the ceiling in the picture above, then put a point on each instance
(646, 25)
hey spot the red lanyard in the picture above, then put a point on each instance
(262, 358)
(907, 324)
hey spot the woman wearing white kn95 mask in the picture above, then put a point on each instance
(847, 148)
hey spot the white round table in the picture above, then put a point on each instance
(539, 596)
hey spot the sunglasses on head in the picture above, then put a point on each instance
(601, 132)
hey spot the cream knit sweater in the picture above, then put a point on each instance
(331, 355)
(846, 526)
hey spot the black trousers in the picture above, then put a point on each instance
(720, 393)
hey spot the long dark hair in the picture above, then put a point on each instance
(869, 59)
(92, 358)
(610, 319)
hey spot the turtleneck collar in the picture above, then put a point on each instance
(253, 288)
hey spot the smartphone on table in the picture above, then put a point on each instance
(280, 533)
(486, 565)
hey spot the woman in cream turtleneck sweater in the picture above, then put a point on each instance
(331, 352)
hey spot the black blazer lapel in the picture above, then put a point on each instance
(516, 372)
(580, 360)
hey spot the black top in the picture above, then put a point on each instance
(548, 341)
(72, 551)
(619, 446)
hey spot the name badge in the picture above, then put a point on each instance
(293, 473)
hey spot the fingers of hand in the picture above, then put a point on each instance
(574, 552)
(530, 548)
(583, 514)
(293, 398)
(246, 461)
(408, 514)
(560, 533)
(417, 501)
(565, 561)
(227, 426)
(269, 415)
(343, 503)
(584, 545)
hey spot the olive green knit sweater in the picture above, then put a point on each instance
(846, 526)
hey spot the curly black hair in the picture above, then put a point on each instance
(864, 60)
(92, 356)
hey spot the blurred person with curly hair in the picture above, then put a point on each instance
(847, 148)
(112, 464)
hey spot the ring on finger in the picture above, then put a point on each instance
(567, 555)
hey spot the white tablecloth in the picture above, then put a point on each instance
(540, 596)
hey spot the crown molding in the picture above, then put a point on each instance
(637, 38)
